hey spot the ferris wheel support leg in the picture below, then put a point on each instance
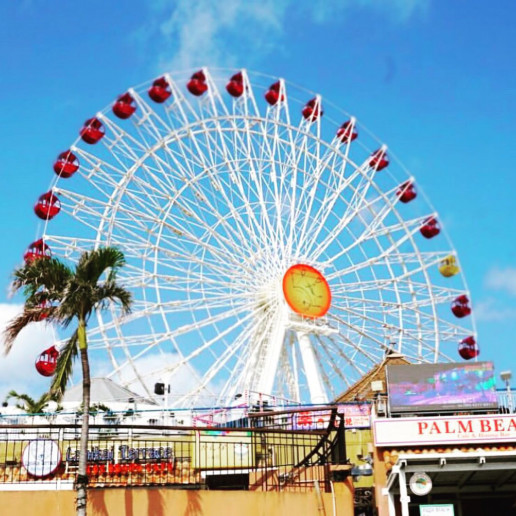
(317, 391)
(268, 365)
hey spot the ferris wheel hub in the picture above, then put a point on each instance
(306, 291)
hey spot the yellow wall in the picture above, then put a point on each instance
(358, 442)
(161, 502)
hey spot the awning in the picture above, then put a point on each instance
(457, 474)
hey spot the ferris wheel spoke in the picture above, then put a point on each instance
(211, 103)
(304, 156)
(389, 255)
(255, 187)
(220, 363)
(359, 330)
(366, 180)
(424, 299)
(220, 256)
(269, 159)
(96, 342)
(354, 358)
(245, 365)
(289, 380)
(327, 354)
(322, 371)
(343, 223)
(179, 110)
(221, 145)
(416, 333)
(200, 216)
(244, 145)
(403, 230)
(332, 164)
(186, 359)
(147, 122)
(245, 106)
(425, 261)
(210, 166)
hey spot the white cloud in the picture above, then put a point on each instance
(17, 369)
(502, 279)
(491, 310)
(154, 368)
(206, 33)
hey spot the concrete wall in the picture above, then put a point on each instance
(161, 502)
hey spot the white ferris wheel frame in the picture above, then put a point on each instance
(211, 199)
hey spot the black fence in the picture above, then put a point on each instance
(289, 450)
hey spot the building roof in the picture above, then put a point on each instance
(361, 390)
(104, 390)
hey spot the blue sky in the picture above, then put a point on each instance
(435, 80)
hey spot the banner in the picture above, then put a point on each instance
(444, 430)
(356, 415)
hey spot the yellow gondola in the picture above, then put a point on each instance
(448, 266)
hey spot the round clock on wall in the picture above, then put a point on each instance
(420, 484)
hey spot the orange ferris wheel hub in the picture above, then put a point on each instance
(306, 291)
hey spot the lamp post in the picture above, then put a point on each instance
(506, 376)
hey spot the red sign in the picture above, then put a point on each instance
(356, 415)
(131, 467)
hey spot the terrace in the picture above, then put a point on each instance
(291, 450)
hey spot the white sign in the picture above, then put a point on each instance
(444, 430)
(41, 457)
(439, 510)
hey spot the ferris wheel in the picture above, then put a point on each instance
(273, 245)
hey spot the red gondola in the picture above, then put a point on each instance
(272, 95)
(92, 131)
(460, 306)
(347, 132)
(406, 192)
(47, 206)
(312, 110)
(235, 86)
(46, 363)
(160, 90)
(66, 164)
(197, 84)
(37, 250)
(46, 310)
(430, 228)
(379, 160)
(468, 348)
(124, 106)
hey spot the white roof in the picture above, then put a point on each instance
(104, 390)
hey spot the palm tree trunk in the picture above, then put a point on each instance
(82, 479)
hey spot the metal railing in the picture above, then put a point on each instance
(506, 404)
(268, 451)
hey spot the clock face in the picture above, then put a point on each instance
(420, 484)
(41, 457)
(306, 291)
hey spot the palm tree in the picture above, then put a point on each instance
(30, 405)
(63, 295)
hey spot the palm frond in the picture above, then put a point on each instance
(24, 397)
(16, 325)
(64, 367)
(112, 292)
(50, 275)
(30, 405)
(92, 264)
